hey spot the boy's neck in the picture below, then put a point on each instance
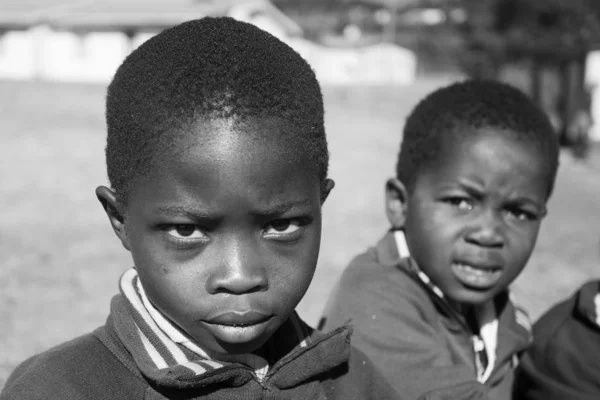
(463, 309)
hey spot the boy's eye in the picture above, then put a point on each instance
(522, 215)
(283, 229)
(185, 231)
(460, 202)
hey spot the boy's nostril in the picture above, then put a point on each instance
(487, 237)
(238, 283)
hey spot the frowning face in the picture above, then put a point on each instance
(473, 218)
(225, 230)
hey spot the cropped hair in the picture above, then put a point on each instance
(456, 112)
(211, 68)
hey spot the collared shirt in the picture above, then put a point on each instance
(486, 340)
(259, 364)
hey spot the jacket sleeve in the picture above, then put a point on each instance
(391, 326)
(564, 361)
(80, 369)
(462, 391)
(365, 382)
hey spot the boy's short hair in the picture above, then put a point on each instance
(209, 68)
(455, 112)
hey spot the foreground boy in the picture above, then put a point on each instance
(429, 303)
(217, 160)
(563, 362)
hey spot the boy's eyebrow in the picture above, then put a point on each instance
(283, 207)
(522, 200)
(474, 190)
(279, 208)
(178, 211)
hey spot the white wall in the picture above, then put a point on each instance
(17, 55)
(48, 54)
(378, 64)
(44, 53)
(592, 79)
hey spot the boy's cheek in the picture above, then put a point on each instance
(526, 239)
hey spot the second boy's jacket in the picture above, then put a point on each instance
(411, 333)
(564, 361)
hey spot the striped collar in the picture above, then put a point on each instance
(486, 315)
(167, 348)
(588, 302)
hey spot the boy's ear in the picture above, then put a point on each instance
(326, 189)
(396, 199)
(114, 211)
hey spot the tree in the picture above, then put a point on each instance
(552, 36)
(548, 29)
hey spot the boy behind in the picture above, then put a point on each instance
(562, 363)
(429, 303)
(217, 160)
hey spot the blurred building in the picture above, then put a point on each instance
(87, 40)
(592, 81)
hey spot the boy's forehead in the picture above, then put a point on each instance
(211, 130)
(223, 142)
(492, 149)
(487, 137)
(216, 164)
(235, 137)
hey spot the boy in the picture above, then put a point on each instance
(476, 167)
(563, 362)
(217, 160)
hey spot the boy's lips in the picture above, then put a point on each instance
(238, 327)
(239, 318)
(477, 276)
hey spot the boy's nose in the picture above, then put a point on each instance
(240, 271)
(487, 230)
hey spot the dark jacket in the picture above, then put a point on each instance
(107, 365)
(564, 362)
(100, 366)
(403, 326)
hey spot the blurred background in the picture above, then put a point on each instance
(59, 260)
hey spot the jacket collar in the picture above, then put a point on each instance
(588, 303)
(386, 250)
(388, 253)
(168, 363)
(514, 330)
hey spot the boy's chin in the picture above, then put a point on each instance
(471, 297)
(241, 348)
(242, 340)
